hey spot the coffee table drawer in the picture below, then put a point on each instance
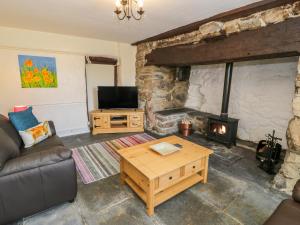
(193, 168)
(136, 175)
(169, 179)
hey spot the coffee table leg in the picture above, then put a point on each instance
(150, 198)
(205, 172)
(122, 174)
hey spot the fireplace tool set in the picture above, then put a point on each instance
(268, 152)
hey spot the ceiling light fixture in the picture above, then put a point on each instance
(129, 8)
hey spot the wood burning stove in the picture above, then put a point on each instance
(222, 128)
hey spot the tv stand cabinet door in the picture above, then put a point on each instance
(101, 121)
(136, 120)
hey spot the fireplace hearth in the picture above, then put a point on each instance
(222, 128)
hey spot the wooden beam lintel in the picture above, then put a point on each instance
(273, 41)
(102, 60)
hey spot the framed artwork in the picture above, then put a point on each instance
(37, 71)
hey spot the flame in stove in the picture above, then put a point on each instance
(223, 129)
(220, 129)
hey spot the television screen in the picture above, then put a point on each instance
(117, 97)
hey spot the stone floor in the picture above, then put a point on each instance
(237, 193)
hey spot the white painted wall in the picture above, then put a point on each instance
(65, 105)
(127, 53)
(97, 75)
(261, 95)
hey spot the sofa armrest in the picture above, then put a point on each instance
(38, 159)
(287, 213)
(52, 127)
(296, 192)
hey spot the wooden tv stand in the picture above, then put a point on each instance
(117, 121)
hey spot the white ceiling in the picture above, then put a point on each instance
(95, 18)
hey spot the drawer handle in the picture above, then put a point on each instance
(194, 167)
(170, 178)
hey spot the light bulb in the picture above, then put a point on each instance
(118, 4)
(140, 3)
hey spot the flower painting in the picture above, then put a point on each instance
(37, 71)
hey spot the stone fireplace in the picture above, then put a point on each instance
(159, 89)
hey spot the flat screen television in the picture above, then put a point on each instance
(117, 97)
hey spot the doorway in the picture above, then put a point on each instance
(99, 71)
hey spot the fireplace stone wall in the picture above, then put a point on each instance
(157, 86)
(290, 170)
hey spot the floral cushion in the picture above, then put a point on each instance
(35, 134)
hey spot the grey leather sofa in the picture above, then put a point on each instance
(32, 180)
(288, 211)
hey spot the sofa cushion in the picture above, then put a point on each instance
(8, 148)
(44, 145)
(23, 120)
(35, 135)
(38, 159)
(287, 213)
(7, 126)
(296, 192)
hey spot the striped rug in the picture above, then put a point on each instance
(101, 160)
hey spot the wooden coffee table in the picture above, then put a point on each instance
(155, 178)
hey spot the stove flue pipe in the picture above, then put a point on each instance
(226, 89)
